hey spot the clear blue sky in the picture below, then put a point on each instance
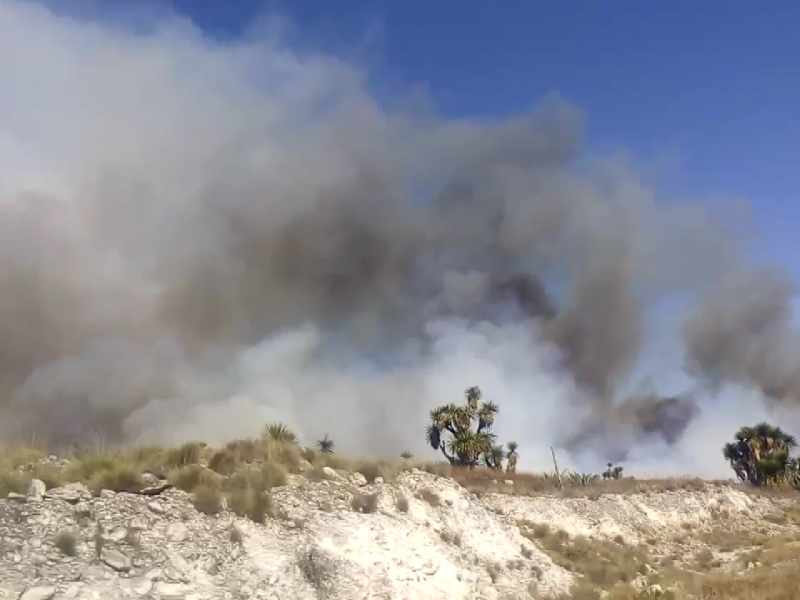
(716, 84)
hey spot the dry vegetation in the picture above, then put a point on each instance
(725, 563)
(732, 565)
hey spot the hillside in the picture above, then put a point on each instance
(271, 524)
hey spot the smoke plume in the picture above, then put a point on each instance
(197, 237)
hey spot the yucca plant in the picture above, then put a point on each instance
(406, 455)
(325, 445)
(279, 432)
(760, 455)
(576, 479)
(469, 427)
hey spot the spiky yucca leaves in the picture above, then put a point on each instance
(406, 455)
(576, 479)
(467, 446)
(494, 458)
(279, 432)
(325, 445)
(760, 455)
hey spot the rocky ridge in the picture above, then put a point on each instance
(418, 537)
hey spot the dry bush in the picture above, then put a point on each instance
(188, 478)
(225, 462)
(335, 461)
(67, 542)
(429, 496)
(208, 499)
(370, 469)
(401, 504)
(601, 563)
(13, 482)
(364, 503)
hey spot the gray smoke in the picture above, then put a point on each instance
(743, 333)
(197, 237)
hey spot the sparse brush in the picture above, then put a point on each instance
(283, 453)
(406, 455)
(262, 507)
(309, 454)
(317, 568)
(188, 478)
(336, 462)
(187, 454)
(364, 503)
(429, 496)
(235, 535)
(224, 462)
(494, 570)
(371, 470)
(119, 477)
(401, 504)
(576, 479)
(13, 482)
(208, 499)
(440, 469)
(67, 542)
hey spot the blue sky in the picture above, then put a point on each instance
(709, 90)
(711, 87)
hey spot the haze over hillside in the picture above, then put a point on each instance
(197, 237)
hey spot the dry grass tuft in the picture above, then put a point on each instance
(429, 496)
(67, 543)
(208, 499)
(364, 503)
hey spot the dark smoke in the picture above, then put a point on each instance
(743, 333)
(196, 237)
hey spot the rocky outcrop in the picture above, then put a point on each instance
(419, 537)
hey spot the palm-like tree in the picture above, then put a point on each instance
(325, 445)
(494, 458)
(511, 466)
(279, 432)
(760, 455)
(466, 446)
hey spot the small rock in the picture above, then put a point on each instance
(156, 507)
(116, 560)
(177, 532)
(118, 534)
(330, 473)
(42, 592)
(509, 482)
(170, 591)
(142, 586)
(36, 489)
(156, 489)
(20, 498)
(71, 493)
(379, 480)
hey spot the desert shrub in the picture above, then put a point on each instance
(371, 470)
(401, 504)
(429, 496)
(189, 477)
(208, 499)
(67, 543)
(364, 503)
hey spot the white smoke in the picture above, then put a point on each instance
(145, 179)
